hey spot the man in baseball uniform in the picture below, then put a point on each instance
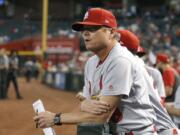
(164, 124)
(174, 108)
(158, 81)
(133, 44)
(112, 73)
(170, 76)
(155, 74)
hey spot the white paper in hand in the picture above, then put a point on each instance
(39, 107)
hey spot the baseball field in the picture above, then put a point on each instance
(16, 116)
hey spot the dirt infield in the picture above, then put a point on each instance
(16, 116)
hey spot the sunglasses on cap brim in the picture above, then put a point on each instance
(92, 28)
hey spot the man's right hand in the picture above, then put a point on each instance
(80, 96)
(95, 106)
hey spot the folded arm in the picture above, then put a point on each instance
(45, 119)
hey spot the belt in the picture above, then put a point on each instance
(130, 133)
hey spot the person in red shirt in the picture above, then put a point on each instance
(170, 76)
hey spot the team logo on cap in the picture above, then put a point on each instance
(106, 21)
(138, 49)
(86, 15)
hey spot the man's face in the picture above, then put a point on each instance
(96, 38)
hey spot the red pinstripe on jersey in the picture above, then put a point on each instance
(100, 83)
(89, 88)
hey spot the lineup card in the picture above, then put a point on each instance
(39, 107)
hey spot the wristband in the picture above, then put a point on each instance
(57, 119)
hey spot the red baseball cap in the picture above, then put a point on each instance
(162, 57)
(130, 40)
(141, 51)
(96, 17)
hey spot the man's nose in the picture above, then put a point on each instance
(86, 33)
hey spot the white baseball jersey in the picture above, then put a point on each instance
(163, 122)
(120, 74)
(177, 105)
(158, 81)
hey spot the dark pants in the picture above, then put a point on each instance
(3, 82)
(93, 129)
(12, 76)
(99, 129)
(28, 75)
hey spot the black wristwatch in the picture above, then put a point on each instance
(57, 119)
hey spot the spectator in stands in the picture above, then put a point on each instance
(28, 69)
(12, 72)
(37, 68)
